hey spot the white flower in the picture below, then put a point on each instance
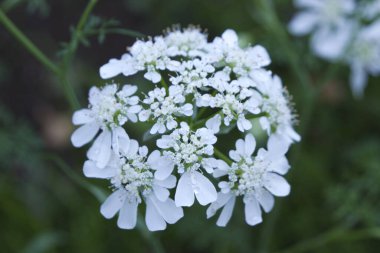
(190, 151)
(186, 42)
(256, 179)
(132, 177)
(108, 111)
(165, 108)
(364, 57)
(236, 99)
(276, 106)
(329, 22)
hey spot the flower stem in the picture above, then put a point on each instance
(41, 57)
(222, 156)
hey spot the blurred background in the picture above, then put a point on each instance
(46, 205)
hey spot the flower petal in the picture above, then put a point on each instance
(100, 151)
(226, 213)
(91, 170)
(265, 199)
(128, 215)
(250, 144)
(204, 190)
(160, 192)
(168, 182)
(82, 116)
(84, 134)
(276, 184)
(303, 23)
(168, 210)
(154, 221)
(184, 195)
(252, 211)
(113, 204)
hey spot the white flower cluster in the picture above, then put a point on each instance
(344, 30)
(201, 90)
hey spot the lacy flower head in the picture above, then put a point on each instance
(343, 30)
(199, 90)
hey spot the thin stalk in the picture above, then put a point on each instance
(41, 57)
(222, 156)
(28, 44)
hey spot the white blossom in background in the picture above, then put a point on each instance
(345, 31)
(198, 91)
(363, 57)
(109, 109)
(255, 178)
(133, 181)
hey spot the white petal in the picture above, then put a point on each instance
(184, 195)
(100, 152)
(280, 166)
(113, 204)
(265, 199)
(214, 123)
(240, 147)
(164, 167)
(160, 192)
(331, 43)
(153, 76)
(154, 221)
(128, 90)
(221, 200)
(113, 68)
(84, 134)
(91, 170)
(82, 116)
(204, 190)
(165, 142)
(303, 23)
(226, 213)
(250, 144)
(168, 210)
(358, 79)
(277, 147)
(230, 37)
(252, 211)
(168, 182)
(276, 184)
(133, 148)
(120, 141)
(261, 55)
(128, 215)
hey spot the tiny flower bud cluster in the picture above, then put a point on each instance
(344, 30)
(199, 91)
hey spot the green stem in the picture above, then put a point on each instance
(40, 56)
(222, 156)
(334, 235)
(165, 85)
(83, 19)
